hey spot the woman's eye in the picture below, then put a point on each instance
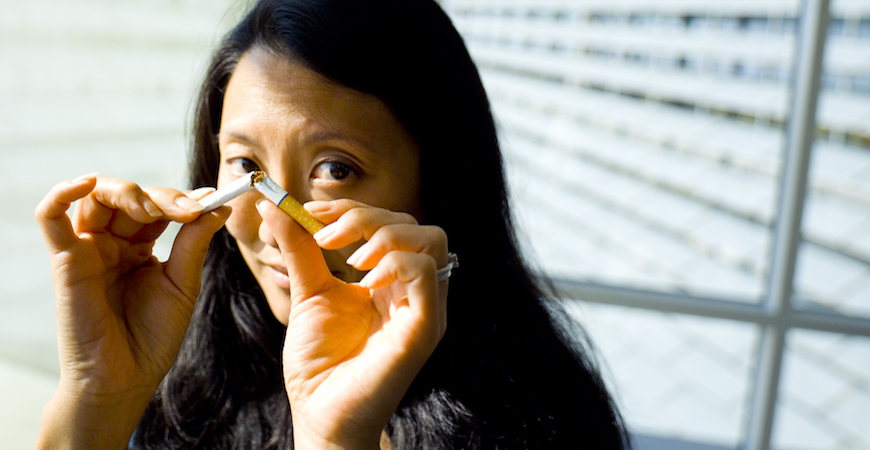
(241, 166)
(333, 170)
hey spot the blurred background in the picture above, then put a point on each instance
(85, 86)
(645, 143)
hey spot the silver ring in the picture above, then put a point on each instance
(445, 272)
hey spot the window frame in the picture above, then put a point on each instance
(775, 315)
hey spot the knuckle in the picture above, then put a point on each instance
(394, 257)
(53, 200)
(345, 204)
(438, 234)
(42, 207)
(386, 233)
(438, 238)
(425, 262)
(354, 215)
(429, 263)
(159, 191)
(404, 217)
(127, 189)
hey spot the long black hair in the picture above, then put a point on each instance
(507, 374)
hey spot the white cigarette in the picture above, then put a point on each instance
(236, 188)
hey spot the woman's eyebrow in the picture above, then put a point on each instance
(320, 136)
(240, 137)
(310, 139)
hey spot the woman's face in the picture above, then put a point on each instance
(319, 141)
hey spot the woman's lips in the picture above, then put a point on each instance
(342, 272)
(279, 275)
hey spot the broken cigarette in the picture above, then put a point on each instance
(260, 181)
(236, 188)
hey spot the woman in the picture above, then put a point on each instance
(373, 114)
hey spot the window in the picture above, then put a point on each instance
(721, 267)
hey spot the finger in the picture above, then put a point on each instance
(416, 272)
(309, 275)
(99, 209)
(199, 193)
(184, 266)
(150, 232)
(122, 208)
(328, 211)
(123, 225)
(176, 205)
(55, 225)
(357, 221)
(430, 240)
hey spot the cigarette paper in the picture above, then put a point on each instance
(236, 188)
(287, 203)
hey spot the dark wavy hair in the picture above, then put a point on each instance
(509, 372)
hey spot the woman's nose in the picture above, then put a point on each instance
(265, 234)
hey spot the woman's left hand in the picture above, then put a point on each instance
(352, 350)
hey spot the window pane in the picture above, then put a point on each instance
(85, 86)
(642, 145)
(833, 268)
(824, 397)
(674, 376)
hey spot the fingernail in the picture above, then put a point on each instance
(151, 208)
(317, 206)
(365, 281)
(201, 192)
(189, 204)
(324, 233)
(217, 214)
(260, 204)
(357, 255)
(84, 177)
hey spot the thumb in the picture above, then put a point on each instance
(184, 266)
(309, 275)
(55, 225)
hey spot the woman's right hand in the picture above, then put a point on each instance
(121, 313)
